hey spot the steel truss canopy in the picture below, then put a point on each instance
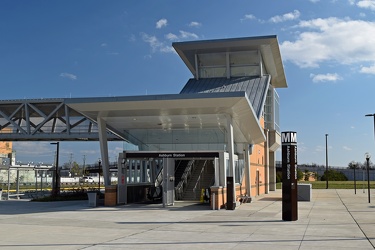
(45, 120)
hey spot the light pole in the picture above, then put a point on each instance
(326, 161)
(374, 121)
(355, 179)
(100, 165)
(56, 179)
(368, 171)
(368, 156)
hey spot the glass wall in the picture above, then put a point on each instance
(271, 110)
(241, 63)
(178, 139)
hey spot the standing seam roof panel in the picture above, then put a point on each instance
(255, 88)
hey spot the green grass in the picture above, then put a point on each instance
(335, 184)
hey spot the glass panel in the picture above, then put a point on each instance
(214, 59)
(244, 58)
(244, 63)
(245, 71)
(277, 110)
(239, 165)
(182, 139)
(210, 72)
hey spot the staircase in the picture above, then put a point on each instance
(201, 177)
(180, 169)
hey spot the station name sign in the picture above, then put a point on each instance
(171, 155)
(289, 175)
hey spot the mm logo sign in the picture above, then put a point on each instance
(288, 137)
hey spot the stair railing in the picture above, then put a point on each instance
(181, 186)
(159, 178)
(199, 179)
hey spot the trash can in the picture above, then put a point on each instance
(110, 196)
(93, 197)
(1, 194)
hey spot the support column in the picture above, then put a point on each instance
(122, 191)
(168, 182)
(272, 172)
(102, 127)
(231, 186)
(267, 165)
(217, 172)
(247, 170)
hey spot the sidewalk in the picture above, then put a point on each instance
(334, 219)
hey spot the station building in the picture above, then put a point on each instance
(220, 133)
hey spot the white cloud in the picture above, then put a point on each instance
(195, 24)
(319, 149)
(351, 2)
(248, 17)
(366, 4)
(185, 34)
(161, 23)
(69, 76)
(171, 37)
(314, 1)
(182, 35)
(346, 148)
(368, 70)
(155, 44)
(331, 40)
(286, 17)
(103, 45)
(132, 38)
(325, 78)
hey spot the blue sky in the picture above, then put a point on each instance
(88, 48)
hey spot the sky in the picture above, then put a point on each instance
(96, 48)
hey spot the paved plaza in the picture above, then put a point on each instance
(333, 219)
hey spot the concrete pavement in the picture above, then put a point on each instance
(334, 219)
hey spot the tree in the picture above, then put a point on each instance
(75, 169)
(356, 165)
(299, 175)
(307, 175)
(279, 176)
(333, 175)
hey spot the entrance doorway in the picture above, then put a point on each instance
(175, 175)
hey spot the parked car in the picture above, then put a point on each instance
(86, 179)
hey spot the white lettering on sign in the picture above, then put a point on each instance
(178, 155)
(165, 155)
(288, 137)
(174, 155)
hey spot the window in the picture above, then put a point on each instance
(240, 63)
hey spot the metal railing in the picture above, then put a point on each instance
(181, 186)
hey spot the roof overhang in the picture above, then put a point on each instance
(177, 111)
(267, 45)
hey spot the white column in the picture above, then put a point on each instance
(230, 150)
(272, 163)
(267, 164)
(102, 127)
(217, 172)
(247, 170)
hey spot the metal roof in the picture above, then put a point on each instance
(255, 88)
(267, 45)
